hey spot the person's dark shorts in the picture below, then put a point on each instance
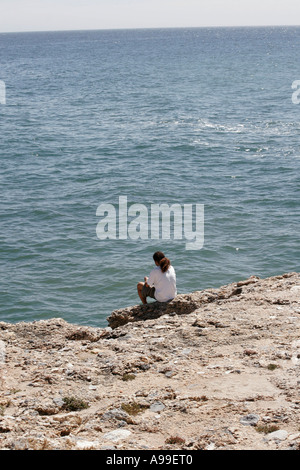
(148, 291)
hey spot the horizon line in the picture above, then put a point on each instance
(150, 28)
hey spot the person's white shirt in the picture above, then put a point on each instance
(164, 283)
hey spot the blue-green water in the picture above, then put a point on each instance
(199, 116)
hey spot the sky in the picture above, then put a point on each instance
(53, 15)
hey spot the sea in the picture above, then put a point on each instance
(206, 117)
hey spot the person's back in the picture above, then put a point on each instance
(164, 283)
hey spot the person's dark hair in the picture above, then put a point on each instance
(163, 262)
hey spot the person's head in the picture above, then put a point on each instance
(160, 260)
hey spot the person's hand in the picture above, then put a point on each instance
(145, 279)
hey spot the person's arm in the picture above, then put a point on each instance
(151, 279)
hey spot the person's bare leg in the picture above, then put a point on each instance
(139, 289)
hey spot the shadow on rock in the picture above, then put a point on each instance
(183, 304)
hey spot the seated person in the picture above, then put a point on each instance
(161, 283)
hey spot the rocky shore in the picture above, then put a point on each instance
(211, 370)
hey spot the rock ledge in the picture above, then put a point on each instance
(215, 369)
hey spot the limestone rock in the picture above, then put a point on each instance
(213, 369)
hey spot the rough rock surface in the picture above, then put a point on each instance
(214, 369)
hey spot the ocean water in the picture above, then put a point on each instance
(186, 116)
